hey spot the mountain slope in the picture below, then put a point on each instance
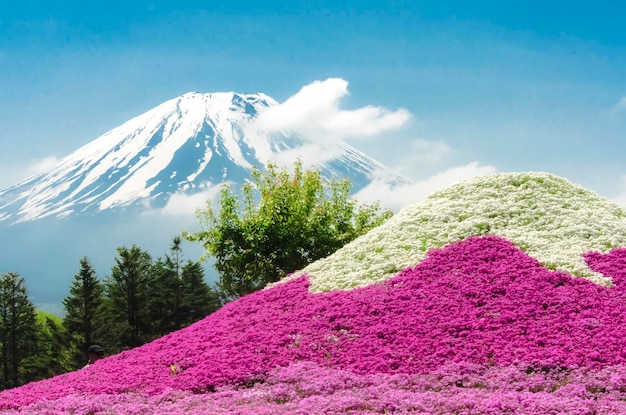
(183, 145)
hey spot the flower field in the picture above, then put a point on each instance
(512, 305)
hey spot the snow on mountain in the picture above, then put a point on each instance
(183, 145)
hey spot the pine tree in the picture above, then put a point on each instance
(82, 307)
(18, 330)
(164, 298)
(165, 291)
(126, 298)
(179, 295)
(197, 299)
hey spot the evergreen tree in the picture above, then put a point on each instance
(179, 295)
(126, 300)
(18, 330)
(54, 349)
(164, 297)
(197, 299)
(82, 307)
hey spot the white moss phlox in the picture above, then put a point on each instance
(550, 218)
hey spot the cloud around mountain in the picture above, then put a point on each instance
(180, 146)
(314, 113)
(182, 204)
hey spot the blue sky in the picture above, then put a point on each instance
(489, 85)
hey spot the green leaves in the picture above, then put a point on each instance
(279, 222)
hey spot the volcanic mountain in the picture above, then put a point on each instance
(120, 188)
(183, 145)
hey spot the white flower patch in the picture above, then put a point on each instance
(548, 217)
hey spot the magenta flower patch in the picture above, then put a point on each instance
(479, 303)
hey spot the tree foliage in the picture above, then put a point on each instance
(82, 307)
(18, 331)
(55, 349)
(125, 305)
(197, 299)
(178, 294)
(164, 300)
(279, 223)
(141, 300)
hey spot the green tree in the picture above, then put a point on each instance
(54, 349)
(82, 306)
(165, 291)
(18, 330)
(197, 299)
(179, 295)
(125, 309)
(283, 222)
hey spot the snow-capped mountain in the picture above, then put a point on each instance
(110, 192)
(182, 145)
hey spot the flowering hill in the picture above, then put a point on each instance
(478, 326)
(550, 218)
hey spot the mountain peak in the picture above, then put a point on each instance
(178, 146)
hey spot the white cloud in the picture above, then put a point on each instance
(395, 198)
(310, 154)
(181, 204)
(11, 175)
(418, 157)
(42, 166)
(314, 114)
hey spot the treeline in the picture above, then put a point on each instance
(140, 300)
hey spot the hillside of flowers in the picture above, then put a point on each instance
(477, 326)
(552, 219)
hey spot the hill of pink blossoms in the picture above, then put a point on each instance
(477, 327)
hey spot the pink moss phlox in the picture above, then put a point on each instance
(612, 264)
(479, 302)
(308, 388)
